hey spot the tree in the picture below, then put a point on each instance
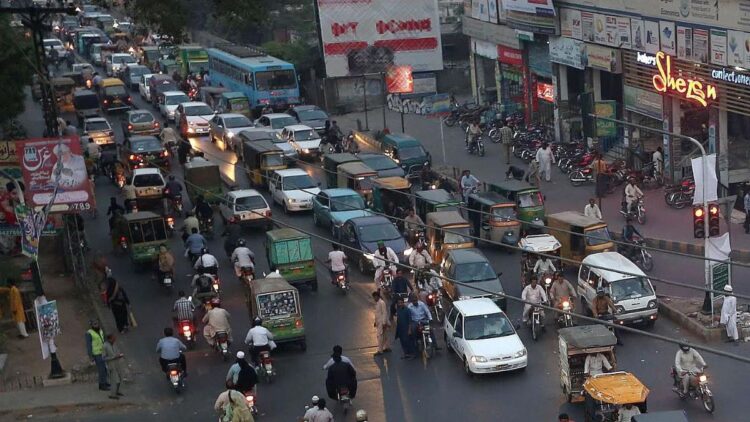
(15, 70)
(167, 17)
(300, 53)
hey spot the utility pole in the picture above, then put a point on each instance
(36, 20)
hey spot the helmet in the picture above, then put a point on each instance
(204, 251)
(361, 415)
(240, 355)
(241, 242)
(257, 322)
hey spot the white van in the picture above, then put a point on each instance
(633, 295)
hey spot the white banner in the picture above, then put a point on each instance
(651, 28)
(667, 37)
(708, 184)
(636, 33)
(368, 36)
(719, 47)
(570, 23)
(535, 7)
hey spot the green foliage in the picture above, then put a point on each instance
(167, 17)
(300, 53)
(15, 70)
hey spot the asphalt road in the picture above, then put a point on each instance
(390, 388)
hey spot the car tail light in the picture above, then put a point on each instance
(156, 124)
(130, 127)
(130, 99)
(268, 213)
(106, 102)
(132, 157)
(165, 153)
(173, 373)
(298, 323)
(170, 220)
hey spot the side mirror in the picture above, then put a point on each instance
(318, 184)
(500, 274)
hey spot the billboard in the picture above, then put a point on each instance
(55, 168)
(369, 36)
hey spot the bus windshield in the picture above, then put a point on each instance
(275, 79)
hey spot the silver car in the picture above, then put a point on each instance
(224, 128)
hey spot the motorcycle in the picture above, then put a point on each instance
(636, 212)
(638, 254)
(119, 180)
(697, 389)
(187, 331)
(176, 376)
(173, 204)
(123, 244)
(166, 281)
(170, 226)
(247, 275)
(207, 226)
(424, 339)
(344, 399)
(386, 280)
(680, 198)
(545, 279)
(580, 176)
(251, 399)
(435, 303)
(221, 344)
(476, 144)
(341, 281)
(265, 369)
(563, 319)
(536, 322)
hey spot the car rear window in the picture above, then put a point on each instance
(249, 203)
(149, 144)
(143, 180)
(97, 126)
(144, 117)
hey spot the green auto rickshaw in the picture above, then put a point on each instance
(331, 163)
(290, 252)
(529, 202)
(146, 231)
(203, 177)
(357, 176)
(235, 102)
(407, 151)
(393, 190)
(494, 218)
(168, 66)
(277, 303)
(427, 201)
(64, 89)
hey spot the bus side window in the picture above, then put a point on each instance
(249, 79)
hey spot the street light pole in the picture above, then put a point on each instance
(708, 300)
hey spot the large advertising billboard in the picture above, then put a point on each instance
(55, 167)
(369, 36)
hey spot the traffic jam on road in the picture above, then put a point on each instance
(212, 148)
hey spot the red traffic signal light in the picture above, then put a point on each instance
(713, 220)
(699, 222)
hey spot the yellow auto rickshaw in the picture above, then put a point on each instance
(605, 394)
(494, 218)
(260, 159)
(64, 89)
(579, 235)
(446, 230)
(357, 176)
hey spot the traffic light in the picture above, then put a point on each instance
(713, 220)
(699, 222)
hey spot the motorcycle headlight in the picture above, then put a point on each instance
(548, 281)
(478, 359)
(520, 353)
(566, 305)
(230, 135)
(702, 378)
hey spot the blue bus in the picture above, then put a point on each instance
(264, 79)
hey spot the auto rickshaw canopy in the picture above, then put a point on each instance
(539, 243)
(436, 196)
(618, 388)
(442, 219)
(392, 182)
(357, 169)
(587, 336)
(274, 282)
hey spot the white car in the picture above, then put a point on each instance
(99, 129)
(275, 121)
(149, 183)
(293, 189)
(246, 207)
(224, 128)
(304, 139)
(143, 87)
(55, 44)
(193, 118)
(483, 337)
(116, 63)
(169, 101)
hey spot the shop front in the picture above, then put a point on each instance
(484, 68)
(568, 54)
(512, 82)
(540, 81)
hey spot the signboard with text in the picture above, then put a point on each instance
(606, 128)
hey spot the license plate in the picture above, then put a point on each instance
(116, 102)
(636, 321)
(167, 280)
(497, 367)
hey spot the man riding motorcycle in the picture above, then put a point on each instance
(628, 235)
(203, 211)
(164, 262)
(216, 319)
(242, 376)
(535, 294)
(632, 194)
(543, 266)
(337, 259)
(170, 351)
(602, 307)
(233, 233)
(190, 223)
(412, 225)
(206, 263)
(468, 184)
(384, 257)
(172, 190)
(194, 245)
(561, 288)
(260, 339)
(242, 257)
(687, 360)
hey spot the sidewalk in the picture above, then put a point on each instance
(666, 227)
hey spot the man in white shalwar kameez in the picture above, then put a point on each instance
(546, 159)
(729, 314)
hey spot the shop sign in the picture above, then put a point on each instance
(642, 101)
(496, 34)
(534, 7)
(570, 23)
(604, 58)
(606, 128)
(645, 58)
(690, 89)
(484, 49)
(718, 47)
(399, 80)
(8, 153)
(545, 92)
(731, 76)
(510, 56)
(567, 51)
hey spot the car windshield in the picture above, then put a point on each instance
(176, 99)
(530, 199)
(376, 232)
(277, 79)
(143, 117)
(123, 59)
(503, 213)
(148, 144)
(143, 180)
(248, 203)
(598, 236)
(312, 115)
(199, 110)
(306, 135)
(50, 43)
(474, 271)
(272, 160)
(347, 203)
(630, 288)
(457, 235)
(378, 163)
(414, 151)
(239, 121)
(138, 71)
(97, 126)
(302, 181)
(480, 327)
(239, 104)
(282, 122)
(116, 90)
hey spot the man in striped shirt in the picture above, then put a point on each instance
(183, 308)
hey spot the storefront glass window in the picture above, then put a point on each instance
(738, 133)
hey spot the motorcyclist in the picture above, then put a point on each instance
(242, 376)
(242, 257)
(216, 319)
(603, 307)
(206, 263)
(543, 265)
(164, 262)
(427, 176)
(128, 191)
(194, 244)
(420, 258)
(173, 188)
(202, 288)
(203, 210)
(468, 184)
(183, 150)
(413, 223)
(170, 351)
(632, 194)
(119, 228)
(232, 232)
(341, 374)
(168, 136)
(472, 133)
(337, 259)
(420, 314)
(334, 133)
(535, 294)
(190, 223)
(560, 289)
(384, 256)
(628, 235)
(183, 309)
(445, 184)
(687, 360)
(351, 145)
(260, 339)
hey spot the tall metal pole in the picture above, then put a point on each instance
(364, 96)
(382, 81)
